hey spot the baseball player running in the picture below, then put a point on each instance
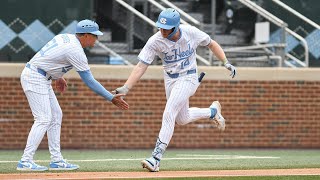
(176, 45)
(57, 57)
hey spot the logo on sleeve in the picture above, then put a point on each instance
(67, 68)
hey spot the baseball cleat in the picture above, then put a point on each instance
(151, 164)
(30, 166)
(62, 165)
(218, 118)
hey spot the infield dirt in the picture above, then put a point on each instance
(162, 174)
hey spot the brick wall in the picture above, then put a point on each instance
(264, 108)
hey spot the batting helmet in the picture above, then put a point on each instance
(168, 19)
(88, 26)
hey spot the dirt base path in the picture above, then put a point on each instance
(162, 174)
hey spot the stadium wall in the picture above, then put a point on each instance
(264, 108)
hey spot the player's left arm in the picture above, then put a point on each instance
(219, 53)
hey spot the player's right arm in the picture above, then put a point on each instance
(95, 86)
(146, 56)
(134, 77)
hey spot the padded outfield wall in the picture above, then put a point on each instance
(264, 108)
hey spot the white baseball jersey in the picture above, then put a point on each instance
(177, 57)
(179, 60)
(60, 55)
(56, 58)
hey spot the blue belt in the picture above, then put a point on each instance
(175, 75)
(40, 71)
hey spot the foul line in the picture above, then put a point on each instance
(184, 157)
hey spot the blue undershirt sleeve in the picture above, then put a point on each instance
(94, 85)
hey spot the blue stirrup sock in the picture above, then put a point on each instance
(159, 150)
(213, 112)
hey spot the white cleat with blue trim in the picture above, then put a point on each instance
(30, 166)
(151, 164)
(218, 118)
(62, 165)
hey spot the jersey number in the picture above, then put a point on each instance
(184, 63)
(51, 44)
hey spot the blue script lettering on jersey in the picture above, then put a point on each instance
(178, 55)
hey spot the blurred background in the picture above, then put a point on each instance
(256, 33)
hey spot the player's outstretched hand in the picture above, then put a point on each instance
(231, 68)
(122, 90)
(61, 85)
(118, 101)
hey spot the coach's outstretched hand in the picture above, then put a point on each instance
(118, 101)
(231, 68)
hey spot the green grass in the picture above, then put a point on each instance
(220, 159)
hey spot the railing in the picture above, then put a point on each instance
(295, 59)
(264, 47)
(112, 52)
(193, 20)
(145, 18)
(259, 46)
(305, 45)
(263, 58)
(288, 8)
(139, 14)
(279, 23)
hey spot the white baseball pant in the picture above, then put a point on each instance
(178, 92)
(46, 112)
